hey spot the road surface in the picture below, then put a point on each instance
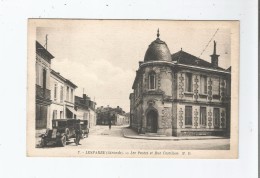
(101, 137)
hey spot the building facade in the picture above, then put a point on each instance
(57, 96)
(69, 90)
(121, 119)
(180, 94)
(116, 115)
(62, 96)
(42, 86)
(86, 109)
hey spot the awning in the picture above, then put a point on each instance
(72, 110)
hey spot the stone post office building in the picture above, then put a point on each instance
(180, 94)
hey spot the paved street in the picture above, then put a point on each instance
(101, 137)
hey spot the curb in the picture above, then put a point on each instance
(170, 138)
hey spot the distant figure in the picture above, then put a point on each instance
(109, 123)
(78, 132)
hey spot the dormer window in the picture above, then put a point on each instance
(152, 82)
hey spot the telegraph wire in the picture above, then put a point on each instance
(208, 42)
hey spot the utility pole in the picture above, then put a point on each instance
(46, 41)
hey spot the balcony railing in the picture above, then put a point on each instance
(43, 93)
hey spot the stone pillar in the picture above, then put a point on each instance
(180, 88)
(195, 116)
(222, 118)
(209, 82)
(196, 84)
(166, 121)
(209, 118)
(180, 116)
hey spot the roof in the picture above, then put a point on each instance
(43, 52)
(183, 57)
(157, 51)
(71, 84)
(78, 99)
(82, 98)
(57, 74)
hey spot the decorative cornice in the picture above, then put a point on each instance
(173, 64)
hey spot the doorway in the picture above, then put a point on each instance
(152, 121)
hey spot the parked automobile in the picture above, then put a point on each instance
(84, 127)
(62, 131)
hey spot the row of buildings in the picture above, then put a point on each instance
(180, 94)
(55, 95)
(117, 116)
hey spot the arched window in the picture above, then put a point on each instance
(152, 81)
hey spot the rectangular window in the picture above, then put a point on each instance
(61, 94)
(228, 89)
(216, 117)
(71, 96)
(44, 78)
(203, 116)
(203, 84)
(67, 93)
(152, 81)
(215, 86)
(61, 114)
(54, 114)
(40, 75)
(38, 112)
(41, 116)
(188, 115)
(37, 73)
(188, 82)
(55, 92)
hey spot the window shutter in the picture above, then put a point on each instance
(203, 116)
(215, 86)
(216, 116)
(188, 115)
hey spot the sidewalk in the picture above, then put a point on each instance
(129, 133)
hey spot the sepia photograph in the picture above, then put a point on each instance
(132, 88)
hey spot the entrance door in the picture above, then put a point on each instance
(152, 121)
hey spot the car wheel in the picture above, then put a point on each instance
(43, 143)
(63, 141)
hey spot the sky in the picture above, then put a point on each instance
(102, 56)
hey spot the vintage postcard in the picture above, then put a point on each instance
(133, 88)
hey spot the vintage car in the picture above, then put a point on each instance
(62, 131)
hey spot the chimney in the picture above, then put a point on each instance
(214, 56)
(84, 98)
